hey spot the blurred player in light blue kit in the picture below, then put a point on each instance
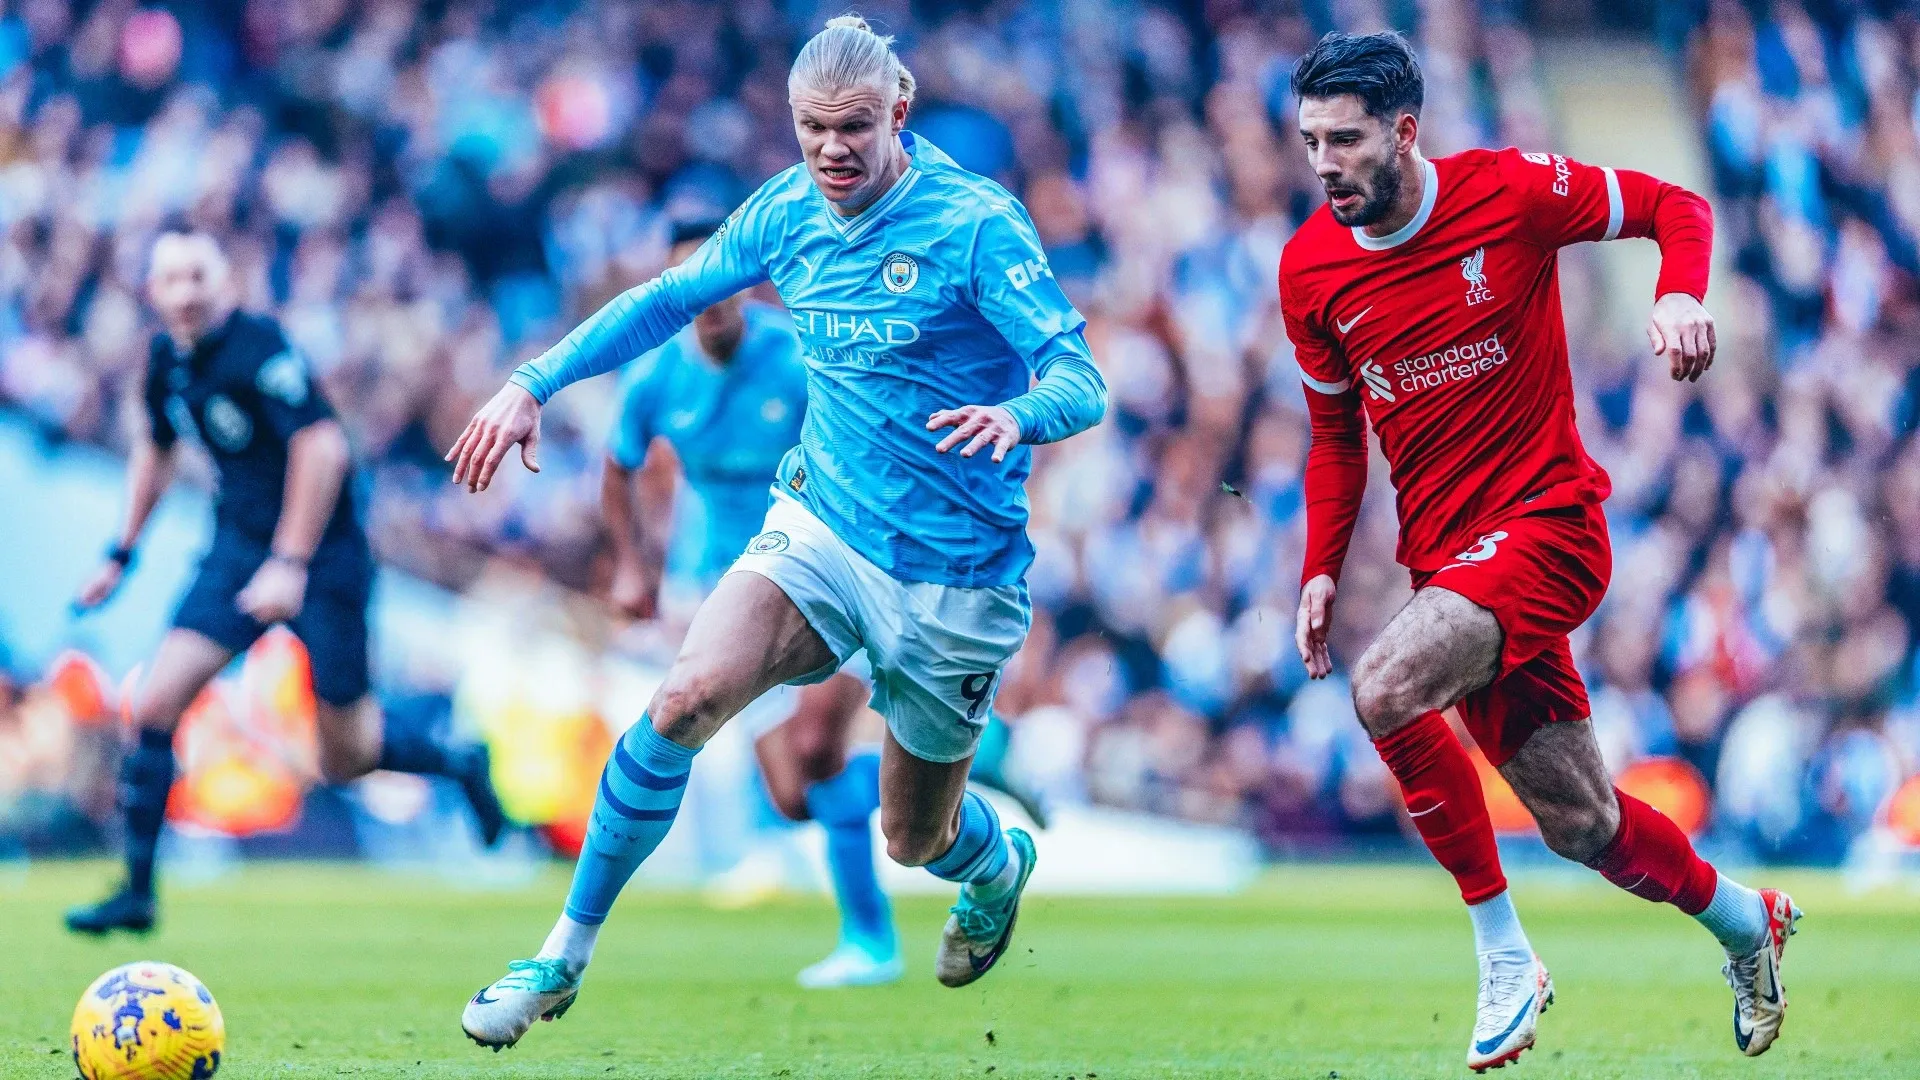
(927, 310)
(728, 393)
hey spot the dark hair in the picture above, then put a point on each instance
(692, 229)
(1379, 69)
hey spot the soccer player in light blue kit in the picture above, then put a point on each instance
(919, 290)
(729, 394)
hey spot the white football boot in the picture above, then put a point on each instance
(1511, 1001)
(539, 989)
(852, 965)
(1759, 998)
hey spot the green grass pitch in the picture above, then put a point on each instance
(1362, 972)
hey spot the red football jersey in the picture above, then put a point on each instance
(1450, 332)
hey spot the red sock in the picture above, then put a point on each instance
(1652, 859)
(1443, 795)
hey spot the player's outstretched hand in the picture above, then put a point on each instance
(1682, 331)
(1310, 629)
(277, 592)
(980, 425)
(104, 583)
(511, 417)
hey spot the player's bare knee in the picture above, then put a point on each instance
(1385, 695)
(687, 706)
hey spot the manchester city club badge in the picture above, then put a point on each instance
(898, 272)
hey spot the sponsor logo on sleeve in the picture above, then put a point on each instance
(1028, 271)
(1562, 172)
(284, 378)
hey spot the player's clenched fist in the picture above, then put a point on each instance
(1682, 331)
(980, 425)
(1310, 629)
(511, 417)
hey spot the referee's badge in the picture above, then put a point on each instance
(899, 273)
(284, 377)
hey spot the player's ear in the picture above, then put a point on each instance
(899, 115)
(1406, 131)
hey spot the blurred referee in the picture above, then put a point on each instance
(287, 548)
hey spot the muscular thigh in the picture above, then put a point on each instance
(1436, 650)
(747, 638)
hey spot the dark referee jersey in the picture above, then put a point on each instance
(243, 392)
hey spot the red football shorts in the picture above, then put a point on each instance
(1541, 575)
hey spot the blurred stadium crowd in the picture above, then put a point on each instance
(427, 193)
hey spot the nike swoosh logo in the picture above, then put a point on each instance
(1343, 327)
(481, 998)
(1488, 1046)
(1428, 810)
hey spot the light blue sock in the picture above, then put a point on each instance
(979, 857)
(640, 792)
(1736, 915)
(844, 805)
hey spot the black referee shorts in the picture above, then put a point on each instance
(332, 623)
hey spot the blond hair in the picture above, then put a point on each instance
(848, 54)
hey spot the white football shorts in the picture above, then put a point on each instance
(936, 650)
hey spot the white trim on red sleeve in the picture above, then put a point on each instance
(1616, 206)
(1328, 388)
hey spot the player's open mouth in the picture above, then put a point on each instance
(1345, 199)
(840, 176)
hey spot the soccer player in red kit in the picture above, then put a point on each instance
(1424, 298)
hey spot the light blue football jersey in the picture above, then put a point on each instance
(730, 424)
(936, 295)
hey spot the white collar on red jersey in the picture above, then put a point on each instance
(1405, 232)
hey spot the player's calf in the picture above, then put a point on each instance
(1557, 774)
(1567, 790)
